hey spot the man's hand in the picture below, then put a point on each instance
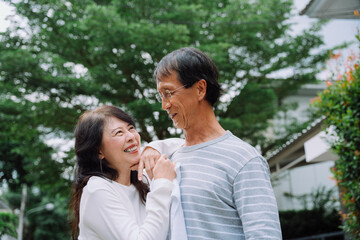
(148, 160)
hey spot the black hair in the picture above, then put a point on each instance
(88, 138)
(191, 65)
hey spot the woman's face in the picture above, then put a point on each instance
(120, 145)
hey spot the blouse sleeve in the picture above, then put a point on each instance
(167, 146)
(108, 216)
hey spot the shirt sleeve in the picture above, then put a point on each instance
(167, 146)
(255, 201)
(107, 215)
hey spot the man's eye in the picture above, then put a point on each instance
(167, 94)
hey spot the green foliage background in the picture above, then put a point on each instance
(70, 56)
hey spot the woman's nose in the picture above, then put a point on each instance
(130, 136)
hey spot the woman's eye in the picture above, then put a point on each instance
(118, 132)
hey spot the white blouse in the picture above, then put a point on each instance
(110, 210)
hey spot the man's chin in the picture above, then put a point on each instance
(176, 125)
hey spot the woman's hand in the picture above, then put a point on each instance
(148, 160)
(164, 168)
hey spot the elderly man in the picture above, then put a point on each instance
(225, 185)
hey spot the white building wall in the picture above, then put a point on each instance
(300, 181)
(303, 103)
(303, 99)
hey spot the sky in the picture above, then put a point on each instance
(336, 32)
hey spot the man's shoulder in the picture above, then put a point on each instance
(236, 145)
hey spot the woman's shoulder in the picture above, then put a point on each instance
(98, 183)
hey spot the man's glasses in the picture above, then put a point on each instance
(160, 96)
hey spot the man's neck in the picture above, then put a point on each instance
(206, 128)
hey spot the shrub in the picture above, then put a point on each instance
(8, 223)
(340, 103)
(306, 222)
(323, 216)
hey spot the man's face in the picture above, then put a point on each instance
(179, 104)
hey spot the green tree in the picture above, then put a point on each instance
(117, 43)
(70, 56)
(39, 221)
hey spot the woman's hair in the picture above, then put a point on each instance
(88, 138)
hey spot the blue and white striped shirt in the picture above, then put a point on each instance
(226, 191)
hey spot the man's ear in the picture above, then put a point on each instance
(201, 89)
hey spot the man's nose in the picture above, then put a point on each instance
(165, 104)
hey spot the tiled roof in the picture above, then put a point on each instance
(295, 137)
(306, 8)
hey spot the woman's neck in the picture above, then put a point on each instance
(124, 178)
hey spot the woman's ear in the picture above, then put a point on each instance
(101, 155)
(201, 89)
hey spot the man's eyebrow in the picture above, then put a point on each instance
(164, 88)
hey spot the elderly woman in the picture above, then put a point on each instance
(108, 200)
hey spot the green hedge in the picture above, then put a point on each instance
(322, 217)
(306, 222)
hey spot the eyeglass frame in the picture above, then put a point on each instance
(168, 94)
